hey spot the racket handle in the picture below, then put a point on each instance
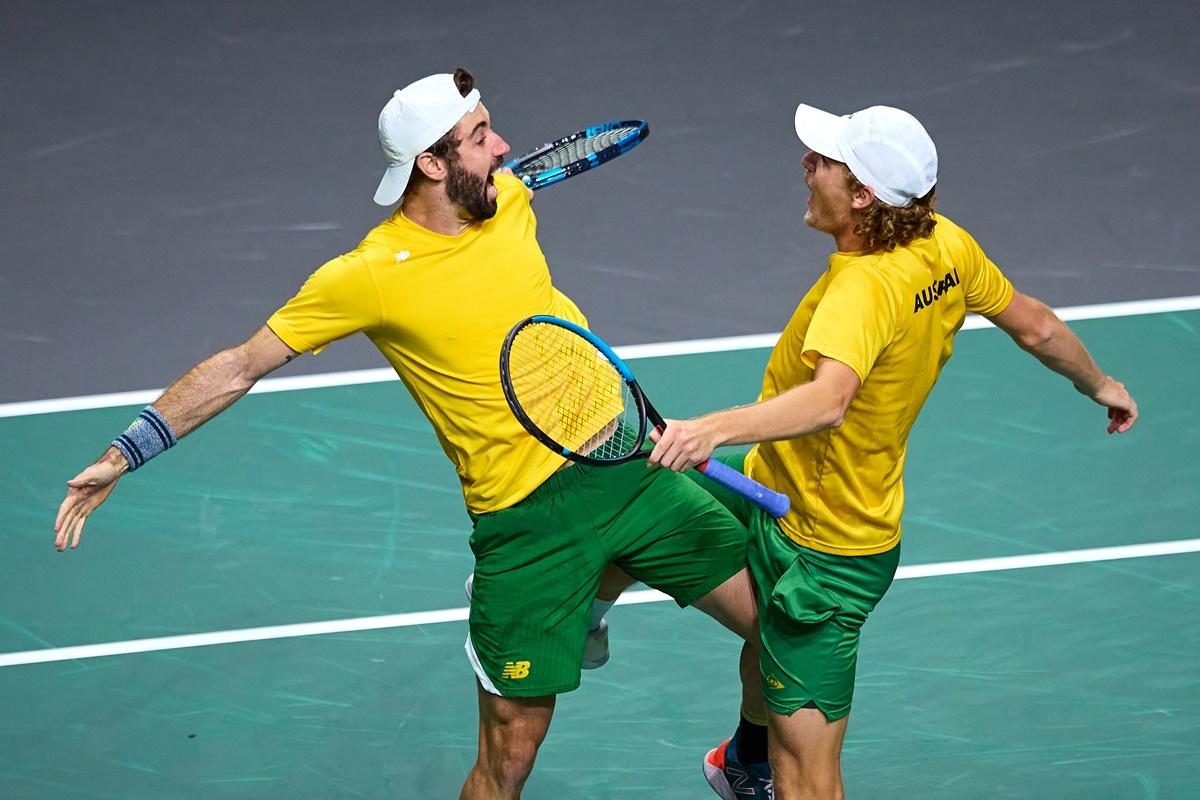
(773, 503)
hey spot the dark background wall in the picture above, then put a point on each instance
(172, 171)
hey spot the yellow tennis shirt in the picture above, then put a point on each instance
(891, 317)
(438, 308)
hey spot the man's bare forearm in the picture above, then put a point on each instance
(1039, 331)
(206, 390)
(214, 385)
(1060, 350)
(801, 410)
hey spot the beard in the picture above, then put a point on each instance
(469, 192)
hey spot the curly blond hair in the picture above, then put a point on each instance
(885, 227)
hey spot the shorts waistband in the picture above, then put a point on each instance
(558, 482)
(562, 480)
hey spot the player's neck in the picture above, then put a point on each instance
(848, 241)
(434, 212)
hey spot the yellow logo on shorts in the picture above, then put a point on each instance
(515, 670)
(774, 683)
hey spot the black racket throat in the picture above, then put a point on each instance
(655, 418)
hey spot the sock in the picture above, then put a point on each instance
(599, 609)
(751, 742)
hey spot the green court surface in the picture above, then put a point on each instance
(1069, 681)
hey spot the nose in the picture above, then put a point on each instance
(500, 148)
(809, 161)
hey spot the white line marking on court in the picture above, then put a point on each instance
(632, 351)
(233, 637)
(629, 598)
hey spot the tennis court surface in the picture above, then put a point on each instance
(308, 548)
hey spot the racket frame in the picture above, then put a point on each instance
(548, 177)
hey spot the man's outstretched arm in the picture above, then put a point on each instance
(1037, 329)
(205, 391)
(807, 408)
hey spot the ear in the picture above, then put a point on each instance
(434, 168)
(862, 198)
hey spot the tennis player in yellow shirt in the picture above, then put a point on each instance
(841, 392)
(436, 286)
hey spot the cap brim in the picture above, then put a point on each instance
(820, 131)
(394, 182)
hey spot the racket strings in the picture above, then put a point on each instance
(572, 393)
(576, 149)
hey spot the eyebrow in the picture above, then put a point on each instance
(478, 125)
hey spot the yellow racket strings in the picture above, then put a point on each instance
(572, 393)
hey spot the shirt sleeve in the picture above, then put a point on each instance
(853, 322)
(339, 299)
(986, 290)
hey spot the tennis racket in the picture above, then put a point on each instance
(578, 152)
(572, 393)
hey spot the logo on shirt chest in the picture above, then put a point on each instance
(935, 291)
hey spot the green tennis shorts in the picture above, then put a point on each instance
(538, 565)
(811, 609)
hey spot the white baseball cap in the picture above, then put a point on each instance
(416, 117)
(884, 147)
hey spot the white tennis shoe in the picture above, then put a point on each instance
(595, 647)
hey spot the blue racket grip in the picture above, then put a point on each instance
(773, 503)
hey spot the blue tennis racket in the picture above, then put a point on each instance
(572, 393)
(578, 152)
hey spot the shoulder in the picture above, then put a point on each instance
(882, 283)
(508, 183)
(946, 225)
(947, 231)
(382, 245)
(358, 266)
(866, 284)
(874, 271)
(347, 272)
(511, 191)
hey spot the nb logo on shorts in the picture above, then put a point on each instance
(515, 670)
(774, 682)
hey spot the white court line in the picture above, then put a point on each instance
(633, 351)
(629, 598)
